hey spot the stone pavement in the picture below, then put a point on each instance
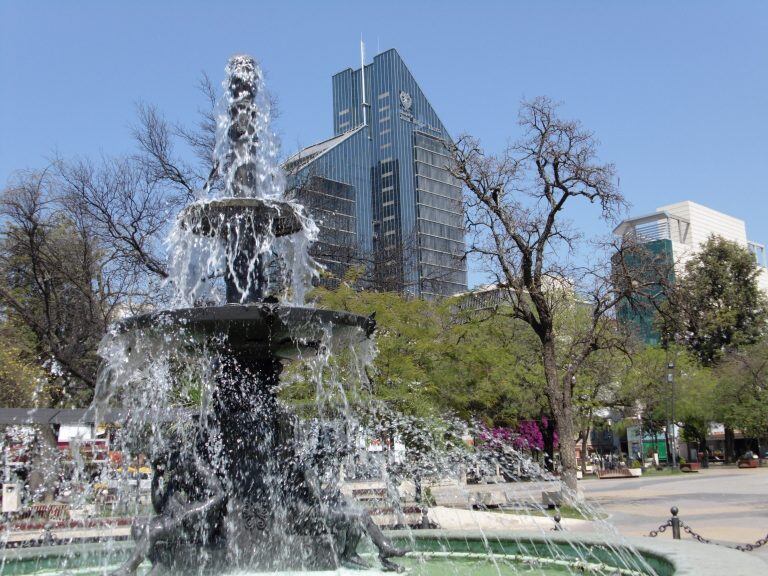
(725, 504)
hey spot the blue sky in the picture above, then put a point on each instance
(677, 92)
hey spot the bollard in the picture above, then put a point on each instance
(424, 519)
(47, 538)
(558, 527)
(675, 523)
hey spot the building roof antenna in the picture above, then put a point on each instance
(362, 81)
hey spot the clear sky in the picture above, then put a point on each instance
(677, 92)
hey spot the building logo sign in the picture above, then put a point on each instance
(406, 113)
(406, 103)
(405, 100)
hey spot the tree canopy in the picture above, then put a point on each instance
(717, 305)
(435, 358)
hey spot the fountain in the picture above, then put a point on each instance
(243, 490)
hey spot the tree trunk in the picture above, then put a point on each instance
(728, 445)
(703, 451)
(559, 396)
(584, 441)
(548, 435)
(566, 431)
(43, 471)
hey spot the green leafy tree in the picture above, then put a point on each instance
(23, 383)
(743, 390)
(717, 305)
(596, 387)
(646, 389)
(715, 309)
(432, 357)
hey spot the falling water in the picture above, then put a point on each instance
(222, 231)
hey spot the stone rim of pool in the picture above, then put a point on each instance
(683, 557)
(679, 557)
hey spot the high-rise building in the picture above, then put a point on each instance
(381, 188)
(672, 235)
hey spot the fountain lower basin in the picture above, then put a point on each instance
(451, 552)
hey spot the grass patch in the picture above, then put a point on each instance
(647, 472)
(662, 472)
(564, 511)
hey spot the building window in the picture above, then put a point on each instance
(758, 251)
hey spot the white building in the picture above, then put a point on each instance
(688, 225)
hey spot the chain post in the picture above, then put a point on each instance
(558, 527)
(424, 518)
(675, 521)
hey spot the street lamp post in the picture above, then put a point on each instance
(671, 381)
(642, 440)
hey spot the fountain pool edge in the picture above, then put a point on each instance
(675, 558)
(683, 557)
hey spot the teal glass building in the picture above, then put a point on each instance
(380, 186)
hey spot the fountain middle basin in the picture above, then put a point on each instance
(270, 329)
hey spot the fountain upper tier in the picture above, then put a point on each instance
(246, 232)
(221, 218)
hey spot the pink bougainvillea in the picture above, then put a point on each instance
(525, 436)
(528, 436)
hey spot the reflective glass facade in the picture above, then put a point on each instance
(647, 262)
(334, 211)
(409, 220)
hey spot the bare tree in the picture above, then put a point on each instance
(82, 242)
(53, 280)
(515, 211)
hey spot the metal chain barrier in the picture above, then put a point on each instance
(660, 529)
(754, 546)
(699, 537)
(676, 524)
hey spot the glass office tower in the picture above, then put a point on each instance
(390, 150)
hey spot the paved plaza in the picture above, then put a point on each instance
(721, 503)
(724, 504)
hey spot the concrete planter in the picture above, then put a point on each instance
(749, 462)
(690, 467)
(636, 472)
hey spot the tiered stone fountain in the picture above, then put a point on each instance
(243, 496)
